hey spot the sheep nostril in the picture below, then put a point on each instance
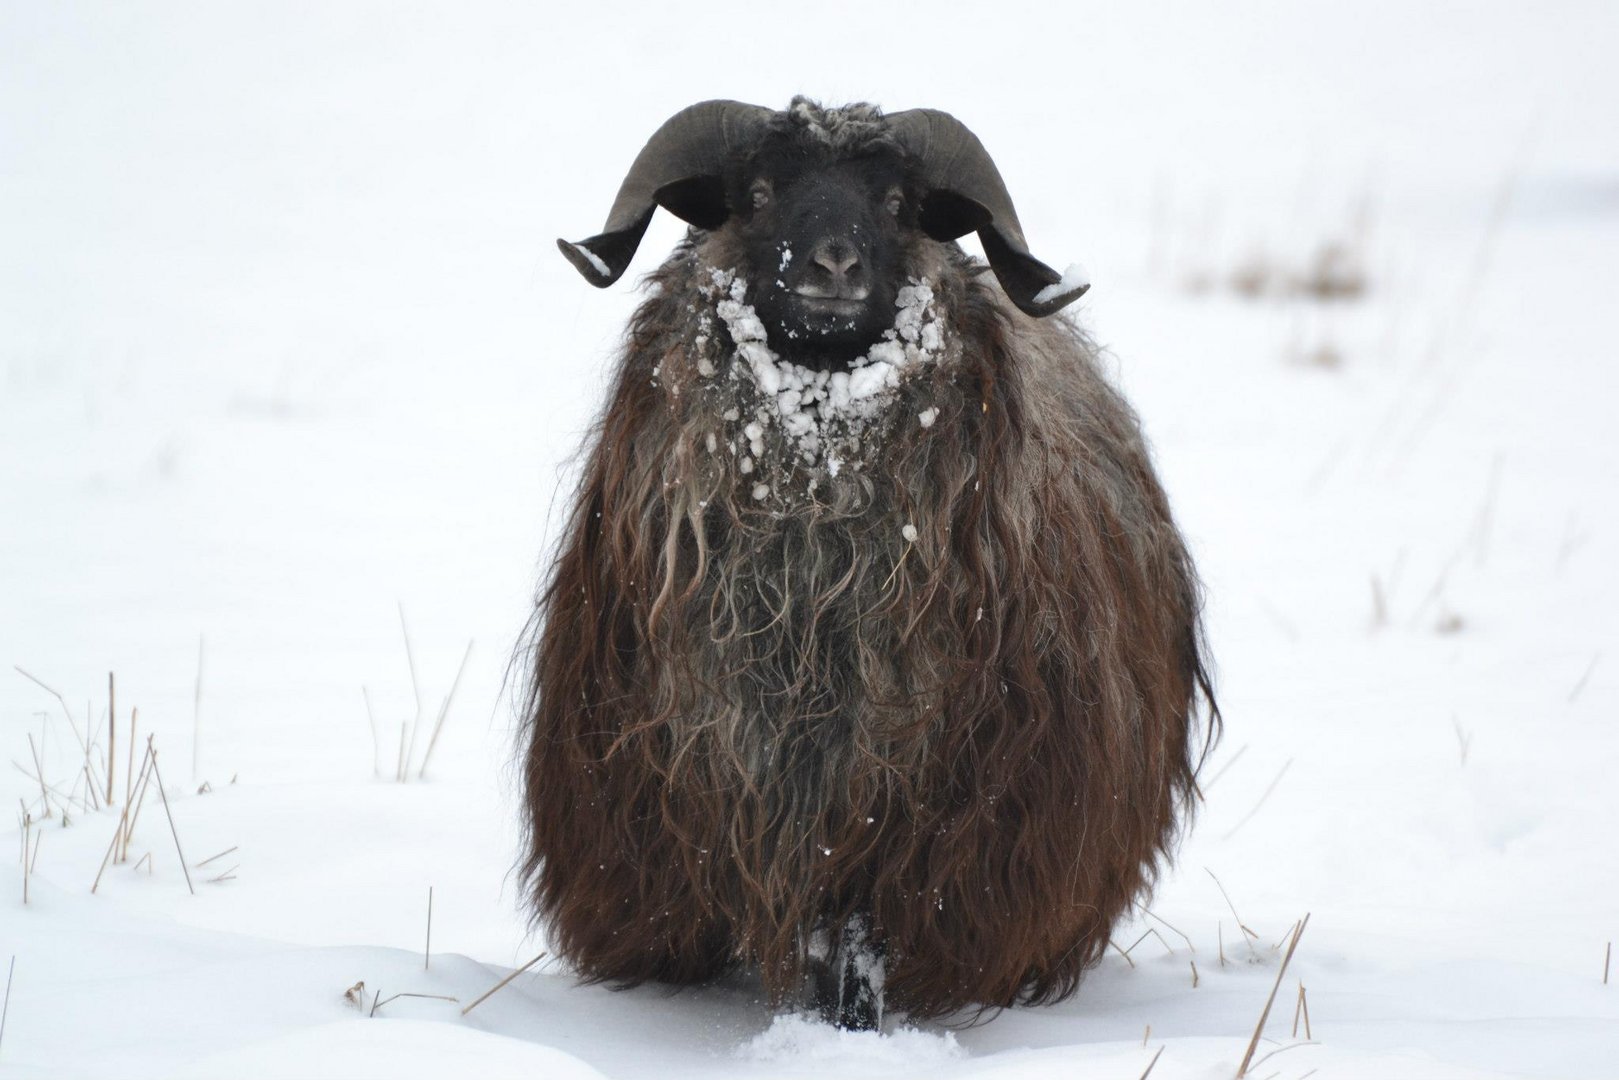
(839, 262)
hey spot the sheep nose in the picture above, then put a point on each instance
(837, 260)
(835, 272)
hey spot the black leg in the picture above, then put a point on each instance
(859, 965)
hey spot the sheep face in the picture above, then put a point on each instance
(823, 246)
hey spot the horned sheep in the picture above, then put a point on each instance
(870, 660)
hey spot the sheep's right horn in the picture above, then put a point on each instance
(966, 193)
(679, 169)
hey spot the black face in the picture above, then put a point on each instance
(825, 243)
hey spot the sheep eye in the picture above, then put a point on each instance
(894, 203)
(759, 194)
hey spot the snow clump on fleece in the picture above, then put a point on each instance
(822, 414)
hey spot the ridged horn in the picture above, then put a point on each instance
(966, 194)
(679, 169)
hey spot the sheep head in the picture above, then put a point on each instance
(824, 204)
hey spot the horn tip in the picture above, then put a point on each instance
(1074, 283)
(592, 266)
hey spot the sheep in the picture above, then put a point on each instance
(871, 659)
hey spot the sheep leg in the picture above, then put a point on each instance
(859, 969)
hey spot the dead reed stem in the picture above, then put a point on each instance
(44, 796)
(112, 735)
(1261, 801)
(1160, 919)
(1579, 687)
(415, 688)
(27, 834)
(1253, 1043)
(1232, 760)
(1248, 934)
(117, 834)
(444, 711)
(376, 743)
(221, 855)
(33, 860)
(129, 769)
(381, 1001)
(501, 985)
(1148, 1071)
(63, 702)
(142, 781)
(196, 712)
(170, 815)
(6, 1008)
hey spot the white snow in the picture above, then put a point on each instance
(823, 414)
(283, 345)
(1075, 277)
(592, 258)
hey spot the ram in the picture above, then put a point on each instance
(870, 660)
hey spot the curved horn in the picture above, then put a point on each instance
(679, 169)
(966, 193)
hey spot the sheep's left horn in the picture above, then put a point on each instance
(680, 169)
(966, 193)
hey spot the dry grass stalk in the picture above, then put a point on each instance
(33, 860)
(1248, 935)
(1194, 974)
(1261, 801)
(1148, 1071)
(1607, 959)
(1253, 1044)
(44, 796)
(1122, 952)
(90, 788)
(1579, 687)
(444, 711)
(117, 835)
(355, 995)
(1232, 760)
(196, 712)
(228, 875)
(112, 735)
(27, 834)
(1278, 1050)
(416, 689)
(129, 767)
(5, 1009)
(1160, 919)
(143, 780)
(221, 855)
(147, 859)
(376, 743)
(1145, 1035)
(501, 985)
(1152, 933)
(63, 701)
(176, 832)
(377, 1004)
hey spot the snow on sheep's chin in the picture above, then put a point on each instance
(821, 413)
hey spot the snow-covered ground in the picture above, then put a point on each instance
(285, 348)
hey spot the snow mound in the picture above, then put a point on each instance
(798, 1038)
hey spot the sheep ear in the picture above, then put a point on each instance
(681, 169)
(965, 194)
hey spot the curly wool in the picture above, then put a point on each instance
(954, 691)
